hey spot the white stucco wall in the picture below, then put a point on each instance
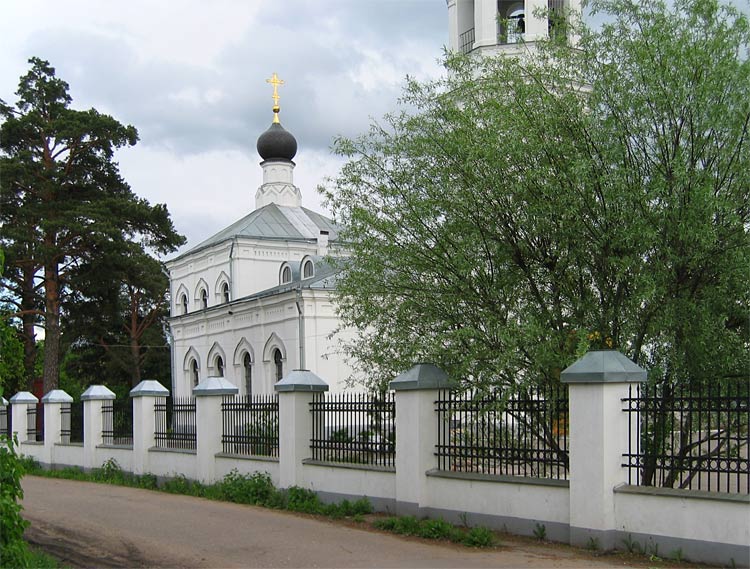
(350, 481)
(257, 326)
(711, 519)
(536, 502)
(123, 456)
(224, 465)
(172, 463)
(70, 454)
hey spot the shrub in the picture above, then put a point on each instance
(13, 549)
(387, 524)
(256, 488)
(435, 529)
(479, 537)
(181, 485)
(304, 500)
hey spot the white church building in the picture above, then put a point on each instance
(254, 301)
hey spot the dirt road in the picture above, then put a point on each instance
(97, 525)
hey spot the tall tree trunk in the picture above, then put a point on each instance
(51, 378)
(135, 344)
(135, 370)
(29, 319)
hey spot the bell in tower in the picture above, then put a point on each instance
(490, 27)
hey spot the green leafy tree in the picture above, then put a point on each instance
(525, 209)
(122, 323)
(62, 198)
(12, 376)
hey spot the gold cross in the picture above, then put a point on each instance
(275, 81)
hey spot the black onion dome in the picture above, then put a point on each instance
(277, 143)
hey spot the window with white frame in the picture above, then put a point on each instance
(286, 275)
(194, 372)
(278, 364)
(247, 365)
(308, 270)
(225, 292)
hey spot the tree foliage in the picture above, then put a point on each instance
(122, 326)
(63, 201)
(525, 209)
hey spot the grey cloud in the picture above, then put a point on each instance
(294, 39)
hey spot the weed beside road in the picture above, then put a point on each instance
(258, 490)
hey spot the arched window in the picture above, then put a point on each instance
(247, 364)
(194, 372)
(307, 270)
(219, 366)
(204, 298)
(286, 275)
(184, 303)
(278, 364)
(225, 292)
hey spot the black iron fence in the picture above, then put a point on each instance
(689, 437)
(250, 425)
(35, 422)
(175, 423)
(117, 422)
(355, 428)
(5, 421)
(71, 422)
(523, 432)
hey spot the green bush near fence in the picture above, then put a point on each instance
(257, 489)
(14, 551)
(437, 529)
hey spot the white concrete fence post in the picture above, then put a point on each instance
(93, 422)
(144, 397)
(54, 423)
(19, 405)
(598, 438)
(209, 394)
(416, 390)
(296, 392)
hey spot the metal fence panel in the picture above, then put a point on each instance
(354, 428)
(250, 425)
(175, 423)
(689, 437)
(517, 433)
(117, 422)
(71, 422)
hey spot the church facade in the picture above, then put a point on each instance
(254, 301)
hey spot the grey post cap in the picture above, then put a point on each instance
(57, 396)
(422, 376)
(149, 388)
(3, 401)
(301, 380)
(97, 393)
(603, 366)
(24, 397)
(215, 386)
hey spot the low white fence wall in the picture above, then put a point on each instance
(595, 507)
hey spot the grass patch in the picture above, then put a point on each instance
(437, 529)
(257, 489)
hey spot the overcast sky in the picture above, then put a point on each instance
(190, 76)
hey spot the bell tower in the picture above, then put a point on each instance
(491, 27)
